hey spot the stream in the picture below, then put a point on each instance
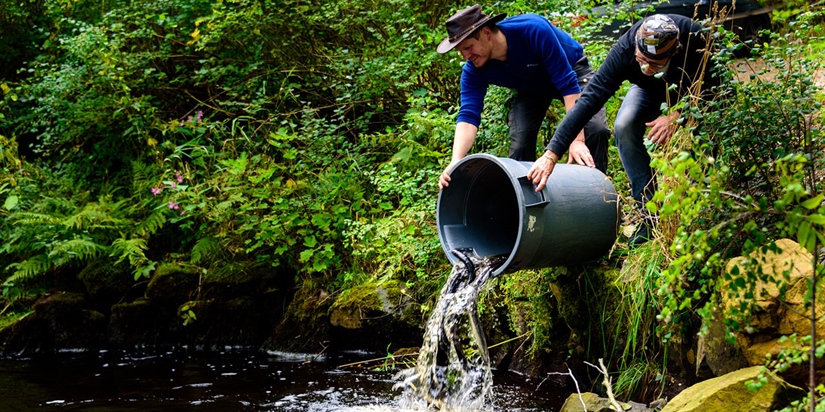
(226, 381)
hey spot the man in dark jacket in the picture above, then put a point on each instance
(541, 62)
(656, 53)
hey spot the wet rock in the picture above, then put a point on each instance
(60, 320)
(728, 393)
(373, 316)
(237, 322)
(142, 323)
(305, 325)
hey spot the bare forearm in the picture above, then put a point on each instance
(465, 135)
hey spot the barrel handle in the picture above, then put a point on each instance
(531, 197)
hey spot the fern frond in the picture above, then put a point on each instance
(205, 247)
(29, 268)
(74, 249)
(131, 249)
(63, 205)
(95, 216)
(152, 223)
(143, 175)
(31, 218)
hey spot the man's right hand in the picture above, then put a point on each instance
(444, 179)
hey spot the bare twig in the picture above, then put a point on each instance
(575, 382)
(607, 384)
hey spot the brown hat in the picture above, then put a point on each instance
(463, 24)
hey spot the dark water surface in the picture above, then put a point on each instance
(223, 381)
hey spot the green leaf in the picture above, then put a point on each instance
(306, 255)
(813, 202)
(11, 202)
(310, 241)
(817, 219)
(805, 236)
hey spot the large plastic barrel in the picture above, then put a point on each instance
(492, 209)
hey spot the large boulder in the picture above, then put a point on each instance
(728, 393)
(777, 312)
(174, 283)
(305, 325)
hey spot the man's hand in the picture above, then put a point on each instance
(444, 180)
(580, 154)
(662, 128)
(541, 170)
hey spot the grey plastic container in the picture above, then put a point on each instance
(492, 208)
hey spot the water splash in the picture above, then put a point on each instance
(453, 371)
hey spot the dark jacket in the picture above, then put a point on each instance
(621, 65)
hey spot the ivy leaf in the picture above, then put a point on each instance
(813, 202)
(310, 241)
(306, 255)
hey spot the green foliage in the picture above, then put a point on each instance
(750, 179)
(635, 321)
(187, 314)
(311, 137)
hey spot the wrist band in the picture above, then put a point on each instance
(547, 155)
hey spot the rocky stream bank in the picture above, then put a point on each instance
(262, 308)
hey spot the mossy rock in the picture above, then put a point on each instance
(107, 282)
(60, 320)
(305, 325)
(382, 312)
(174, 283)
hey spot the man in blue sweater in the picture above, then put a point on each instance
(541, 62)
(664, 57)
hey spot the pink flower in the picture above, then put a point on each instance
(156, 190)
(182, 212)
(200, 116)
(178, 177)
(173, 185)
(173, 205)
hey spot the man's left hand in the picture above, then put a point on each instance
(580, 154)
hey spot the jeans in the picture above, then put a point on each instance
(629, 129)
(527, 111)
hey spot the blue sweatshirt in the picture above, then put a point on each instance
(540, 60)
